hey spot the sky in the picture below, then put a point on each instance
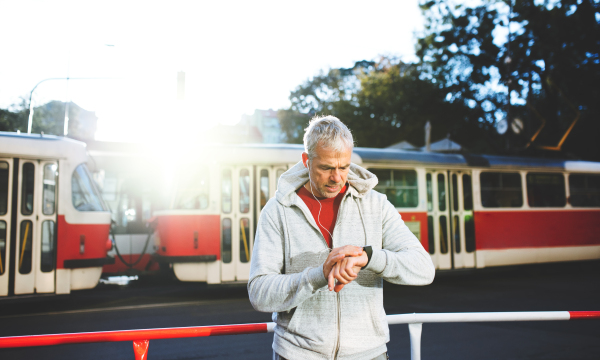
(237, 56)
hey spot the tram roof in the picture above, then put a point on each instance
(387, 156)
(40, 146)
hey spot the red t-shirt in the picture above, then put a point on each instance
(329, 210)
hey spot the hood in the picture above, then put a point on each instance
(361, 181)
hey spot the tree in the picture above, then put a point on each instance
(549, 65)
(382, 102)
(15, 117)
(49, 119)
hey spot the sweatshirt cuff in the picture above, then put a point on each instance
(316, 277)
(378, 262)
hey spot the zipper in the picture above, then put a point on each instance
(337, 344)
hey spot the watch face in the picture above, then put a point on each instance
(501, 126)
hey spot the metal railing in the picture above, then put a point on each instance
(141, 338)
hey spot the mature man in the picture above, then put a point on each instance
(323, 246)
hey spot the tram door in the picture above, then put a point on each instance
(461, 215)
(450, 219)
(29, 249)
(6, 178)
(437, 219)
(237, 220)
(266, 185)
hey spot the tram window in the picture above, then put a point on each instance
(441, 183)
(400, 186)
(192, 191)
(244, 191)
(49, 192)
(469, 233)
(501, 189)
(84, 194)
(27, 189)
(226, 191)
(25, 238)
(430, 235)
(48, 246)
(245, 249)
(429, 193)
(454, 192)
(456, 234)
(585, 190)
(264, 188)
(2, 246)
(3, 187)
(226, 243)
(443, 235)
(467, 192)
(546, 190)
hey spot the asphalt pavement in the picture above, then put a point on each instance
(153, 302)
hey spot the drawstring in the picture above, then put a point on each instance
(363, 220)
(286, 242)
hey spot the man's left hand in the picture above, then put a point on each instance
(346, 271)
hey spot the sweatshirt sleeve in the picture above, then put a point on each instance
(268, 288)
(403, 260)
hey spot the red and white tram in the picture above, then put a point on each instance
(467, 210)
(53, 223)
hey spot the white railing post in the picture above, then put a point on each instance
(415, 340)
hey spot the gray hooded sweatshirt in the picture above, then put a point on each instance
(286, 274)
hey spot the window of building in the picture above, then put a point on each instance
(400, 186)
(500, 189)
(546, 190)
(585, 190)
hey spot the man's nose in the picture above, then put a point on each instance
(336, 176)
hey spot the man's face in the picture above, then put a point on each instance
(328, 171)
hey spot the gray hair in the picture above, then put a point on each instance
(328, 131)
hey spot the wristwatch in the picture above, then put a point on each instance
(369, 252)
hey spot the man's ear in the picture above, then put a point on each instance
(305, 159)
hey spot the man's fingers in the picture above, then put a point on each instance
(344, 266)
(349, 269)
(338, 287)
(331, 279)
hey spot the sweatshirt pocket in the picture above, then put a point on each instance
(364, 324)
(313, 323)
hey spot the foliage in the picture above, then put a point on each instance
(550, 65)
(49, 119)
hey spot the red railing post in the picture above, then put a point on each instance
(140, 349)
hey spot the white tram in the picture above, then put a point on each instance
(467, 210)
(53, 223)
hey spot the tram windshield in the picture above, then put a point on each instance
(84, 194)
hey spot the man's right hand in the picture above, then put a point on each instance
(339, 254)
